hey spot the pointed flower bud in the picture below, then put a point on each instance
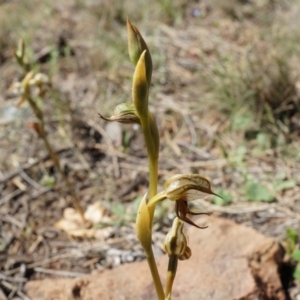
(136, 46)
(140, 88)
(20, 52)
(26, 81)
(175, 242)
(21, 57)
(124, 113)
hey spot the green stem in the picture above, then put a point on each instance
(172, 268)
(155, 275)
(152, 143)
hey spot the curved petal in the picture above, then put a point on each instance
(178, 185)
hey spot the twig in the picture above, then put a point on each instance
(30, 181)
(10, 219)
(192, 130)
(29, 165)
(22, 273)
(46, 246)
(120, 154)
(59, 272)
(12, 279)
(98, 247)
(204, 154)
(247, 208)
(212, 164)
(2, 295)
(75, 149)
(42, 192)
(13, 289)
(10, 196)
(133, 185)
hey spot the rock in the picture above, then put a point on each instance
(229, 262)
(114, 132)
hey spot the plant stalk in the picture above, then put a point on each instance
(155, 275)
(172, 268)
(152, 144)
(38, 113)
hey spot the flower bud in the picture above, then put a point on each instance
(175, 242)
(25, 88)
(39, 80)
(20, 52)
(136, 46)
(27, 79)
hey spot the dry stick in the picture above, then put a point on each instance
(28, 166)
(2, 295)
(10, 196)
(38, 113)
(59, 272)
(9, 286)
(12, 279)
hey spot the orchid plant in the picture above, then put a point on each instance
(34, 86)
(177, 188)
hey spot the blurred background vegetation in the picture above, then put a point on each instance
(225, 93)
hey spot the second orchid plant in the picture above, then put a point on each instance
(177, 187)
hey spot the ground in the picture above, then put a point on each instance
(225, 94)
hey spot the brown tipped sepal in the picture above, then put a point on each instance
(124, 113)
(178, 185)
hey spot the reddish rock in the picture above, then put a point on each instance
(229, 262)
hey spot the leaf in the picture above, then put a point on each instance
(48, 181)
(239, 154)
(285, 185)
(242, 121)
(256, 191)
(118, 209)
(225, 199)
(296, 255)
(297, 272)
(263, 141)
(292, 234)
